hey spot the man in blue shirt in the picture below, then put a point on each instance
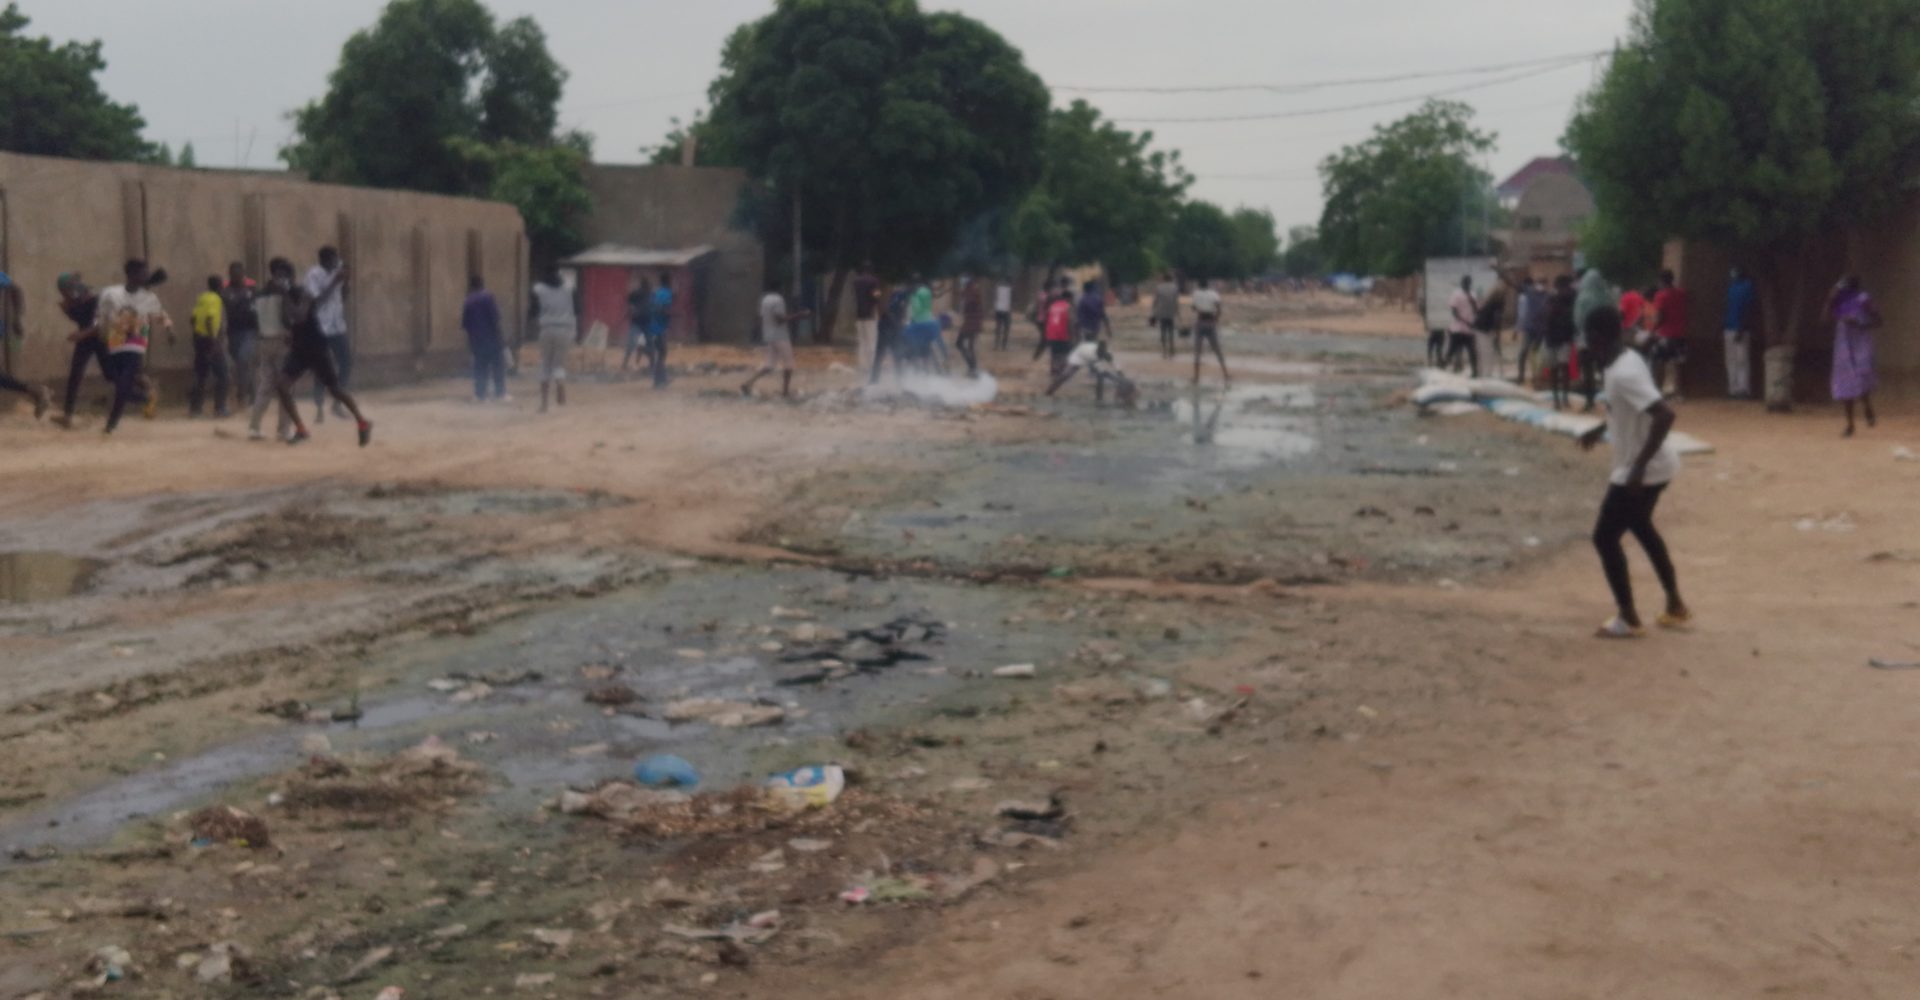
(659, 320)
(1743, 300)
(480, 317)
(13, 305)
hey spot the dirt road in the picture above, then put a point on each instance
(1316, 699)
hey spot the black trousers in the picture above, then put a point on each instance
(1624, 511)
(124, 368)
(89, 348)
(1459, 343)
(209, 359)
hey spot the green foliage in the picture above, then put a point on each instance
(1304, 257)
(711, 151)
(1256, 242)
(1201, 243)
(1754, 124)
(894, 127)
(1409, 192)
(187, 159)
(52, 105)
(1105, 197)
(436, 97)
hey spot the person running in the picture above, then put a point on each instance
(1090, 314)
(1093, 356)
(776, 329)
(1532, 322)
(1638, 422)
(309, 349)
(1737, 333)
(1557, 337)
(270, 356)
(1208, 311)
(82, 307)
(127, 314)
(1854, 317)
(1165, 314)
(973, 319)
(559, 334)
(243, 329)
(1463, 309)
(13, 306)
(209, 350)
(1002, 313)
(639, 317)
(480, 318)
(866, 316)
(659, 322)
(326, 284)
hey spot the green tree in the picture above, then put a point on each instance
(1105, 196)
(1256, 242)
(890, 128)
(436, 96)
(52, 105)
(187, 158)
(1409, 192)
(1201, 242)
(709, 151)
(1304, 257)
(1760, 126)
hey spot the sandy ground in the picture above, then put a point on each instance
(1434, 789)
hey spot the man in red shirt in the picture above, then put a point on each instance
(1670, 334)
(1632, 304)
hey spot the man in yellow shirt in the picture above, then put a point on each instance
(209, 349)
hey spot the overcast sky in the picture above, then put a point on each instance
(202, 70)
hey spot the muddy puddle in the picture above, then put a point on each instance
(515, 697)
(29, 577)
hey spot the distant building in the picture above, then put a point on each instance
(646, 219)
(1549, 204)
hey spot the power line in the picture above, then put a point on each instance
(1387, 102)
(1305, 86)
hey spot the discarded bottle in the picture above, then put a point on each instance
(666, 771)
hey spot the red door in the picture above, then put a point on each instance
(603, 298)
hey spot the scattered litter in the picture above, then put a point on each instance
(725, 714)
(391, 993)
(792, 614)
(1368, 712)
(477, 691)
(111, 964)
(499, 679)
(1018, 671)
(616, 801)
(533, 980)
(1903, 453)
(1837, 524)
(757, 929)
(807, 787)
(807, 846)
(366, 964)
(598, 672)
(221, 963)
(612, 695)
(666, 771)
(227, 825)
(1879, 664)
(1049, 810)
(558, 940)
(856, 895)
(1016, 840)
(970, 784)
(591, 750)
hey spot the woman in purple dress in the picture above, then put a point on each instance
(1854, 318)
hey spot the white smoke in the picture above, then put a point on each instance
(939, 389)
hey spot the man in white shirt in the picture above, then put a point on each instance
(1207, 311)
(1638, 422)
(776, 330)
(126, 318)
(1463, 308)
(326, 282)
(1002, 314)
(559, 333)
(1093, 356)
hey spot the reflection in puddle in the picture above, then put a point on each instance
(1252, 425)
(43, 576)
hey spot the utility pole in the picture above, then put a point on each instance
(799, 269)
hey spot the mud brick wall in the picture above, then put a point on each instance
(675, 208)
(410, 252)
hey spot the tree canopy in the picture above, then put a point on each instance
(894, 128)
(1409, 192)
(1757, 125)
(1104, 196)
(1304, 257)
(1256, 242)
(51, 103)
(1201, 242)
(436, 96)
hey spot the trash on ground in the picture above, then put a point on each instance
(612, 695)
(1879, 664)
(725, 714)
(757, 929)
(666, 771)
(111, 964)
(807, 787)
(1048, 810)
(1018, 671)
(227, 825)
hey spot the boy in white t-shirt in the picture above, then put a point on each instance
(127, 316)
(1207, 310)
(1093, 356)
(1638, 422)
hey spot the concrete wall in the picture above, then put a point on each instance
(1559, 204)
(410, 253)
(1884, 256)
(669, 208)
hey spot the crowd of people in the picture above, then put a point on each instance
(252, 344)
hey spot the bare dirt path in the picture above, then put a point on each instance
(1722, 813)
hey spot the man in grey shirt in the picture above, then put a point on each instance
(1166, 311)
